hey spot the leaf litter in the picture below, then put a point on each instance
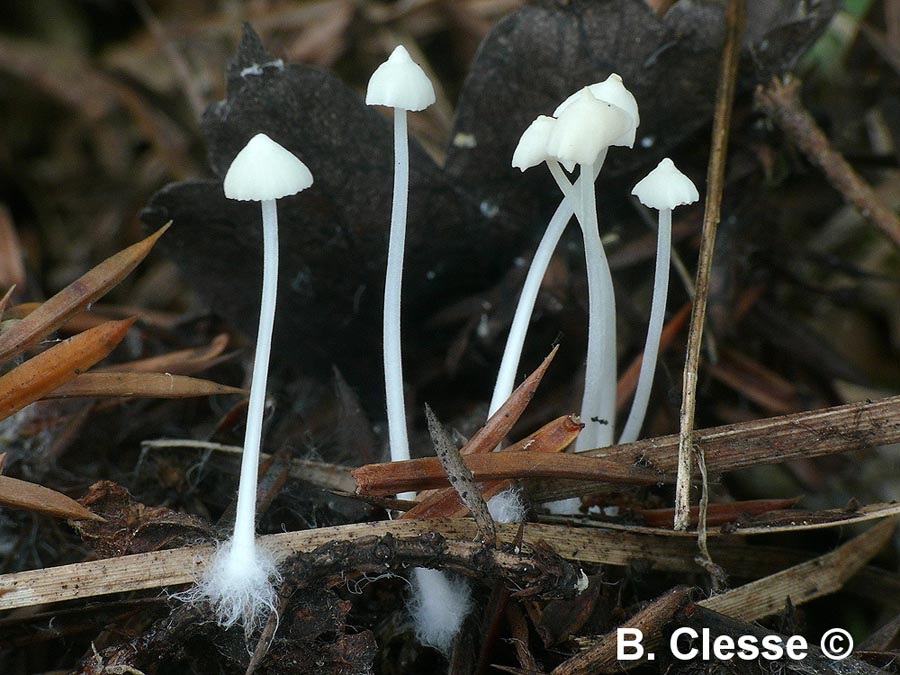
(784, 335)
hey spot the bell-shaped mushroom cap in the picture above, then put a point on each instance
(584, 128)
(612, 90)
(399, 82)
(264, 170)
(532, 147)
(665, 188)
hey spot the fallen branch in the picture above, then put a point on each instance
(418, 474)
(536, 572)
(183, 565)
(828, 431)
(802, 583)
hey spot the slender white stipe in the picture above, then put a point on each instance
(393, 358)
(638, 411)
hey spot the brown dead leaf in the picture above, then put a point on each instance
(100, 312)
(130, 527)
(20, 494)
(182, 362)
(43, 373)
(719, 514)
(74, 297)
(499, 424)
(147, 385)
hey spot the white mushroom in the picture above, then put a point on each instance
(239, 580)
(663, 189)
(401, 84)
(612, 90)
(583, 133)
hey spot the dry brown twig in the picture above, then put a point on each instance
(781, 102)
(715, 184)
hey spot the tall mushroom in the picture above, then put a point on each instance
(585, 129)
(663, 189)
(440, 602)
(398, 83)
(238, 582)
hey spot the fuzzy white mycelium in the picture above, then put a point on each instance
(439, 604)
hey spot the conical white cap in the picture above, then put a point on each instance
(665, 188)
(586, 127)
(264, 170)
(612, 90)
(399, 82)
(532, 147)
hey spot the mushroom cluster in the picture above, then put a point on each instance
(239, 580)
(579, 135)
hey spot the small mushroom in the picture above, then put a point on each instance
(401, 84)
(239, 580)
(663, 189)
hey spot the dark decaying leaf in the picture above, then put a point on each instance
(131, 527)
(538, 56)
(466, 223)
(334, 235)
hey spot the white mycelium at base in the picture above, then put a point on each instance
(239, 583)
(439, 604)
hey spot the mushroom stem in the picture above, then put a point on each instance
(245, 518)
(393, 361)
(598, 406)
(657, 313)
(512, 353)
(515, 341)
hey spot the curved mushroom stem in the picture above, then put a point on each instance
(598, 406)
(657, 313)
(239, 581)
(245, 519)
(393, 361)
(515, 341)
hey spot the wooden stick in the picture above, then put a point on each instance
(827, 431)
(715, 183)
(781, 102)
(804, 582)
(184, 565)
(418, 474)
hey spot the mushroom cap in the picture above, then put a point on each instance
(665, 188)
(264, 170)
(400, 82)
(612, 90)
(532, 147)
(586, 127)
